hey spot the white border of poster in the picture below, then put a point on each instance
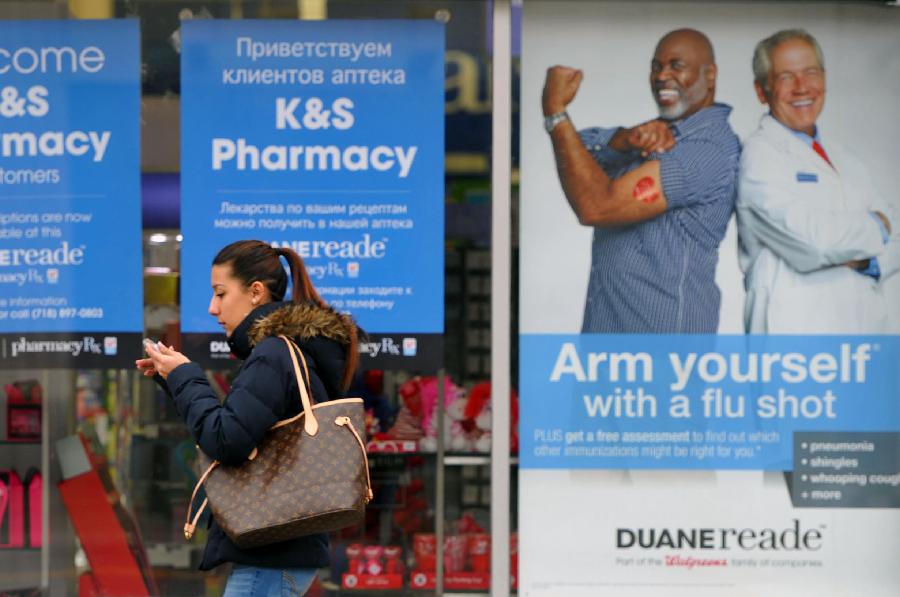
(614, 530)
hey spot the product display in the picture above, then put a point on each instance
(23, 411)
(467, 563)
(425, 550)
(373, 567)
(404, 557)
(34, 486)
(467, 417)
(21, 518)
(12, 511)
(466, 559)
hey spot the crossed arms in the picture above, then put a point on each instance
(809, 237)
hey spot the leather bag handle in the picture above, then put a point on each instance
(310, 424)
(303, 392)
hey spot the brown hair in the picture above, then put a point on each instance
(254, 260)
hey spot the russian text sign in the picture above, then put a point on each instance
(326, 137)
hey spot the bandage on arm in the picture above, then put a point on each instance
(598, 200)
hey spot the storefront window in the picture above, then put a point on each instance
(97, 463)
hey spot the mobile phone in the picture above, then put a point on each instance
(151, 345)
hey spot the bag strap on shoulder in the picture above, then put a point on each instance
(310, 425)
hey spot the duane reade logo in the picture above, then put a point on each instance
(365, 247)
(60, 255)
(219, 347)
(795, 537)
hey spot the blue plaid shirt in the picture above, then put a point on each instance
(658, 276)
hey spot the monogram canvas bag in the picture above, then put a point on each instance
(310, 474)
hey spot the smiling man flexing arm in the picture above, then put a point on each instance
(659, 194)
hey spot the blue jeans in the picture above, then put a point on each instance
(250, 581)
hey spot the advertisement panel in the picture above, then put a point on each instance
(708, 384)
(326, 137)
(702, 402)
(70, 262)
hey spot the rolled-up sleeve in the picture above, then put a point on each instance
(596, 141)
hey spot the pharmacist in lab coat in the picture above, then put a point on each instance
(816, 239)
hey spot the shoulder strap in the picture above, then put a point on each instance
(310, 425)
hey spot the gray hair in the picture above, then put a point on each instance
(762, 62)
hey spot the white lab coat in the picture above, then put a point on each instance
(798, 221)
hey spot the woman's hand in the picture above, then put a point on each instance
(162, 361)
(145, 366)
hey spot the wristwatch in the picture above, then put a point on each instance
(551, 121)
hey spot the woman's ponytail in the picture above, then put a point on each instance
(254, 260)
(303, 291)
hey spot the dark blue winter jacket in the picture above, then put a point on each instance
(263, 392)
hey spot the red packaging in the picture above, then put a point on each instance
(374, 565)
(455, 553)
(23, 411)
(355, 563)
(392, 564)
(480, 552)
(424, 549)
(35, 485)
(12, 521)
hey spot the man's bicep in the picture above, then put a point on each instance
(637, 196)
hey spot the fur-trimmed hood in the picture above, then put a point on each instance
(301, 321)
(319, 332)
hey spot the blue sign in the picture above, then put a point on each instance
(70, 223)
(698, 402)
(326, 137)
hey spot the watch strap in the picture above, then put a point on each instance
(551, 121)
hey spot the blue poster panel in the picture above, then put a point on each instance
(700, 401)
(70, 258)
(326, 137)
